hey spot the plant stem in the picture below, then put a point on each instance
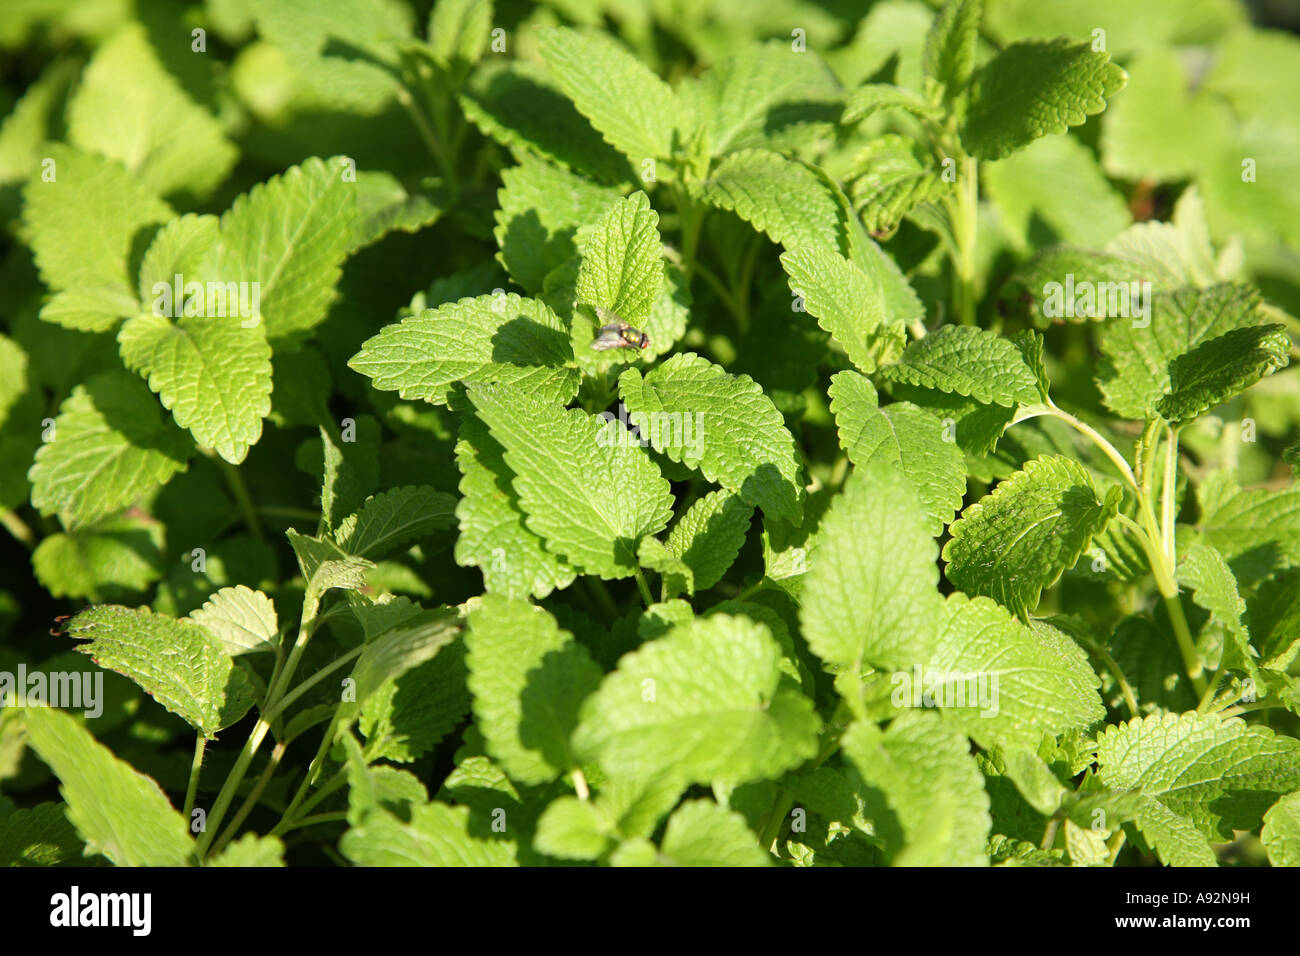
(580, 784)
(966, 228)
(200, 744)
(311, 681)
(601, 593)
(243, 499)
(1109, 450)
(1049, 833)
(644, 588)
(253, 797)
(18, 528)
(1167, 496)
(771, 827)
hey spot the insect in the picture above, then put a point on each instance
(617, 334)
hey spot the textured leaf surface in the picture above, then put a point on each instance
(212, 374)
(699, 414)
(1037, 679)
(1218, 369)
(709, 536)
(128, 107)
(111, 446)
(846, 302)
(493, 534)
(1018, 540)
(632, 108)
(1219, 774)
(1134, 373)
(950, 45)
(395, 517)
(936, 811)
(964, 360)
(588, 499)
(901, 434)
(491, 338)
(1281, 833)
(622, 266)
(528, 678)
(435, 835)
(705, 702)
(118, 811)
(869, 596)
(1035, 89)
(790, 202)
(178, 663)
(82, 224)
(290, 235)
(241, 619)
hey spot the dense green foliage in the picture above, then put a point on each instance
(934, 505)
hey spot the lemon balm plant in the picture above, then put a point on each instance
(595, 434)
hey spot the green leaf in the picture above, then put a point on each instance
(325, 566)
(869, 595)
(930, 805)
(541, 208)
(396, 651)
(723, 425)
(1035, 89)
(705, 702)
(846, 302)
(435, 835)
(518, 104)
(1273, 616)
(344, 50)
(129, 108)
(709, 536)
(891, 176)
(459, 31)
(178, 663)
(1035, 679)
(1219, 369)
(622, 264)
(493, 534)
(632, 108)
(1175, 840)
(89, 308)
(763, 96)
(676, 574)
(213, 374)
(901, 434)
(384, 204)
(117, 811)
(866, 100)
(793, 204)
(395, 517)
(590, 500)
(111, 560)
(1217, 773)
(39, 836)
(572, 829)
(1020, 538)
(1256, 529)
(179, 247)
(490, 338)
(1205, 571)
(964, 360)
(242, 620)
(251, 850)
(1281, 833)
(950, 46)
(528, 678)
(701, 833)
(290, 235)
(407, 716)
(1134, 373)
(82, 224)
(111, 447)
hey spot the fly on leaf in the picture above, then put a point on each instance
(617, 334)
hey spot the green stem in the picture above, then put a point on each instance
(1109, 450)
(311, 681)
(18, 528)
(1168, 494)
(333, 816)
(243, 499)
(966, 227)
(580, 784)
(253, 797)
(771, 827)
(288, 817)
(601, 593)
(643, 588)
(232, 783)
(1130, 699)
(200, 744)
(1049, 833)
